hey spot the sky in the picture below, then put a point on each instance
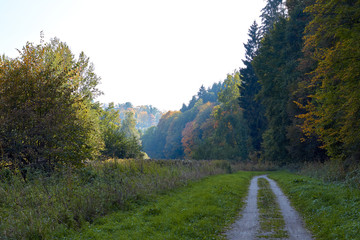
(147, 52)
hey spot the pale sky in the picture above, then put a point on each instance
(148, 52)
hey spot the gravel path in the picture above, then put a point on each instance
(247, 227)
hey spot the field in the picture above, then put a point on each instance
(46, 206)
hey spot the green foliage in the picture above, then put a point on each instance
(229, 94)
(268, 65)
(128, 125)
(279, 72)
(155, 139)
(218, 132)
(45, 108)
(48, 117)
(196, 131)
(312, 84)
(329, 210)
(209, 95)
(332, 42)
(254, 114)
(151, 142)
(165, 140)
(121, 141)
(50, 207)
(270, 14)
(146, 116)
(200, 210)
(227, 139)
(207, 130)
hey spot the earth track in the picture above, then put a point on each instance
(247, 227)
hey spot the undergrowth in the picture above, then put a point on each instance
(48, 205)
(347, 173)
(331, 211)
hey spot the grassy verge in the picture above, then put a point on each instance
(48, 205)
(200, 210)
(272, 223)
(333, 171)
(331, 211)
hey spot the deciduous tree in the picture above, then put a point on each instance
(45, 108)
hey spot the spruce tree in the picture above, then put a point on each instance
(270, 14)
(253, 110)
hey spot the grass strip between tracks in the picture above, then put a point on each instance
(272, 223)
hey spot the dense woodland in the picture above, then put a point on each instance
(296, 99)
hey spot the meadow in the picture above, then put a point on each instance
(49, 205)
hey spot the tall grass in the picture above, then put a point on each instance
(46, 206)
(200, 210)
(333, 171)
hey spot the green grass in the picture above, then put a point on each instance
(331, 211)
(200, 210)
(272, 223)
(48, 206)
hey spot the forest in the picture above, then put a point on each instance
(296, 99)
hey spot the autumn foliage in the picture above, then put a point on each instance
(297, 98)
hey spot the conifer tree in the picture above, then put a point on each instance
(253, 109)
(270, 14)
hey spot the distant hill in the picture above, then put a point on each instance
(146, 115)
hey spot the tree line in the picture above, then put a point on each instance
(296, 98)
(48, 116)
(146, 115)
(211, 126)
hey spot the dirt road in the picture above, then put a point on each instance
(248, 227)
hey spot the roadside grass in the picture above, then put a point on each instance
(200, 210)
(331, 211)
(51, 205)
(272, 223)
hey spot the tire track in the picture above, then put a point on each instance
(248, 227)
